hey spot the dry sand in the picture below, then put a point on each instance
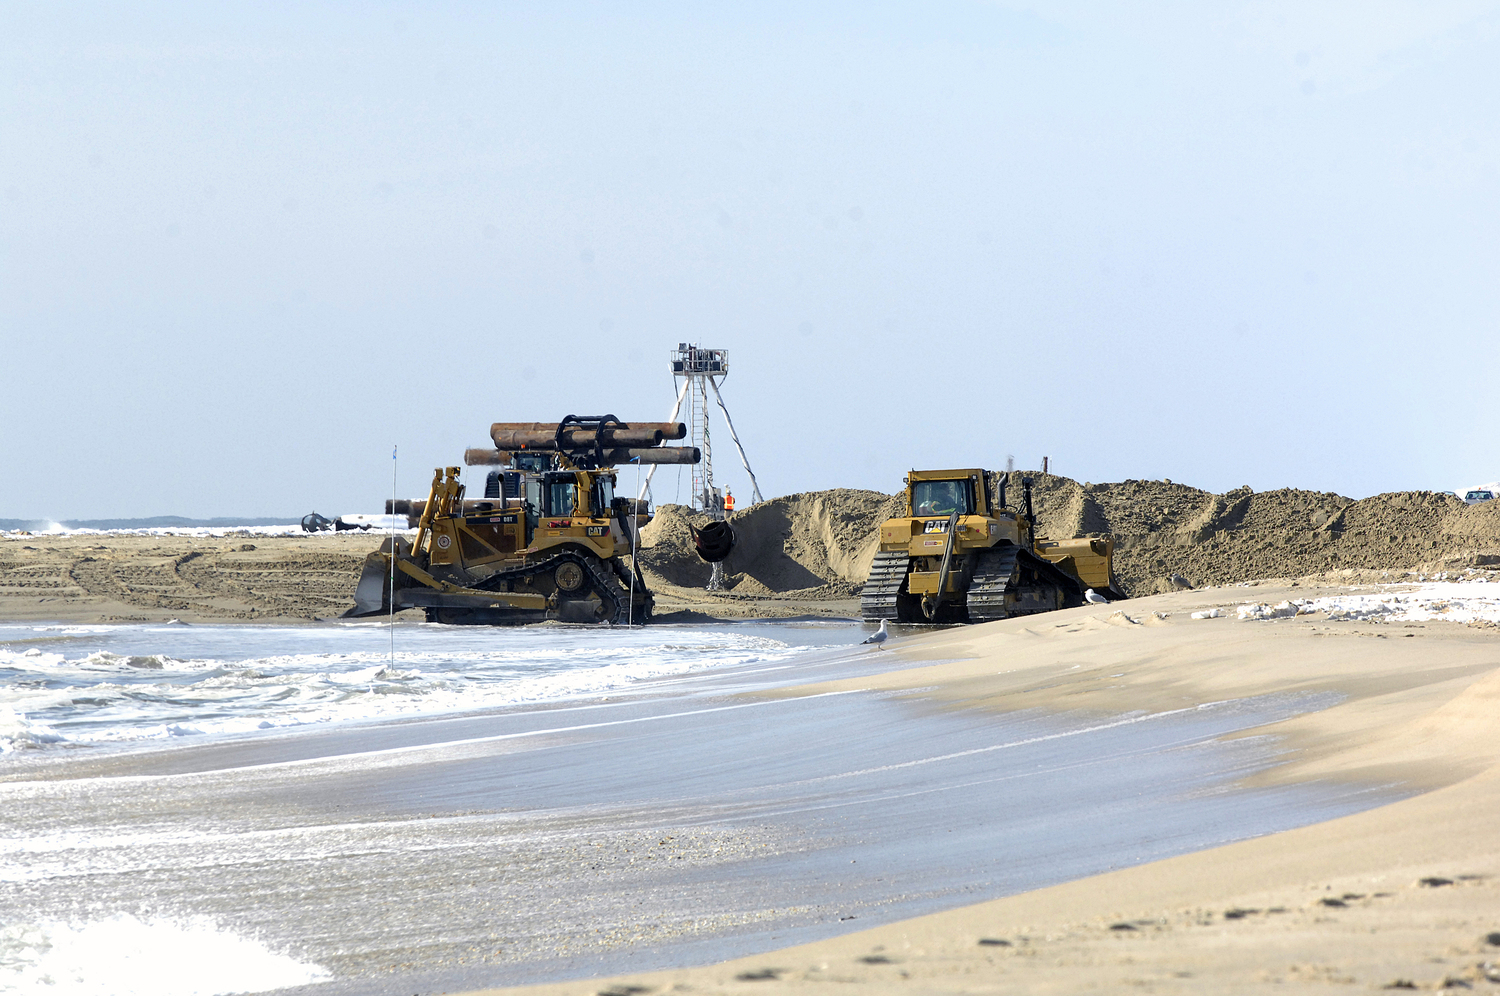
(277, 579)
(1404, 896)
(804, 554)
(126, 578)
(819, 545)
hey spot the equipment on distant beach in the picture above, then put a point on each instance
(315, 523)
(961, 555)
(547, 541)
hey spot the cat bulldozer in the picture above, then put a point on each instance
(547, 542)
(959, 556)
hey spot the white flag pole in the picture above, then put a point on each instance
(391, 599)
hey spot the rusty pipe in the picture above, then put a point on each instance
(478, 456)
(668, 430)
(481, 456)
(656, 455)
(572, 439)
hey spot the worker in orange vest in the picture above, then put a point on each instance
(728, 501)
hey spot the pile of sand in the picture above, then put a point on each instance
(817, 542)
(821, 543)
(1161, 529)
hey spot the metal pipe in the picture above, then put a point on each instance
(577, 439)
(477, 456)
(658, 455)
(669, 430)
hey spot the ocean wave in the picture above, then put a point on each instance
(119, 694)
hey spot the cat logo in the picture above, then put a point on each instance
(596, 530)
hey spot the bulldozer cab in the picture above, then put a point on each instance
(942, 497)
(589, 494)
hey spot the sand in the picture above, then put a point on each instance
(129, 578)
(277, 579)
(819, 545)
(805, 554)
(1405, 896)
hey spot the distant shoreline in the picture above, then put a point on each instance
(150, 522)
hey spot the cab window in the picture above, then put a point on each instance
(942, 497)
(559, 496)
(533, 502)
(603, 496)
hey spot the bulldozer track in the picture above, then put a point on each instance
(883, 589)
(601, 581)
(998, 573)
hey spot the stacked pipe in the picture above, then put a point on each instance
(479, 457)
(612, 443)
(544, 436)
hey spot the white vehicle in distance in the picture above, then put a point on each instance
(1478, 495)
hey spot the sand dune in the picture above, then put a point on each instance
(821, 542)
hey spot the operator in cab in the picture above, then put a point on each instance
(942, 498)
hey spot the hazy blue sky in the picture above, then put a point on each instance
(245, 249)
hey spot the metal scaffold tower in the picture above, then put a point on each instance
(700, 371)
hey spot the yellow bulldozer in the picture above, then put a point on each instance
(960, 554)
(548, 540)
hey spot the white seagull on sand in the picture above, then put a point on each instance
(880, 636)
(1094, 597)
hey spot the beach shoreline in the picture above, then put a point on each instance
(1415, 716)
(1405, 895)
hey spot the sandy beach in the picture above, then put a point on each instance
(1403, 896)
(1146, 800)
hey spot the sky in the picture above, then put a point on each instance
(247, 249)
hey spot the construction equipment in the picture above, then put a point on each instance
(548, 540)
(312, 522)
(961, 555)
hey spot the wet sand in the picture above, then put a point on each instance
(1405, 895)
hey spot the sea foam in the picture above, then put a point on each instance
(126, 956)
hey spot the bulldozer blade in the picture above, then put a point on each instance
(372, 595)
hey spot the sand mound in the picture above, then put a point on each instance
(1163, 528)
(816, 540)
(824, 540)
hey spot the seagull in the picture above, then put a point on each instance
(1180, 581)
(878, 637)
(1094, 597)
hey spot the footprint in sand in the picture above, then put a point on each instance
(760, 975)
